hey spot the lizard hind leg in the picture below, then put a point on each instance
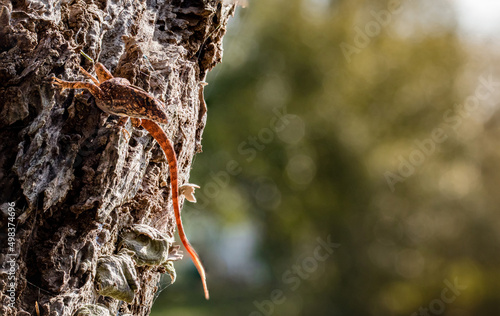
(136, 122)
(121, 125)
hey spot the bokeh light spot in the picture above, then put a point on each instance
(301, 169)
(294, 130)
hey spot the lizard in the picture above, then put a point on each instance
(118, 96)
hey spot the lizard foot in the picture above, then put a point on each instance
(61, 83)
(126, 134)
(121, 126)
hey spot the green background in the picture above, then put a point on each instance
(365, 123)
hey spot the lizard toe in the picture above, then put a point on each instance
(125, 133)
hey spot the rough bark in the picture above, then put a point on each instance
(74, 180)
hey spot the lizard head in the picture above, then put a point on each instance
(102, 73)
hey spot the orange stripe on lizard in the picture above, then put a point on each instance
(165, 144)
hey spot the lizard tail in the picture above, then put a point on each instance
(165, 144)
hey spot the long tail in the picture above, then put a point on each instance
(165, 144)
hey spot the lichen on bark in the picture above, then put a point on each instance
(75, 179)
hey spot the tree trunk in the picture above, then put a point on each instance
(73, 184)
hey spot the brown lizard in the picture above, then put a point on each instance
(117, 96)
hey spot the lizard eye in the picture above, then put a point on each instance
(151, 102)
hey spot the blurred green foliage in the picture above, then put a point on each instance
(362, 122)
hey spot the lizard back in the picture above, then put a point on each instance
(129, 100)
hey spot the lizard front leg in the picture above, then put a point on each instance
(95, 91)
(92, 88)
(85, 72)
